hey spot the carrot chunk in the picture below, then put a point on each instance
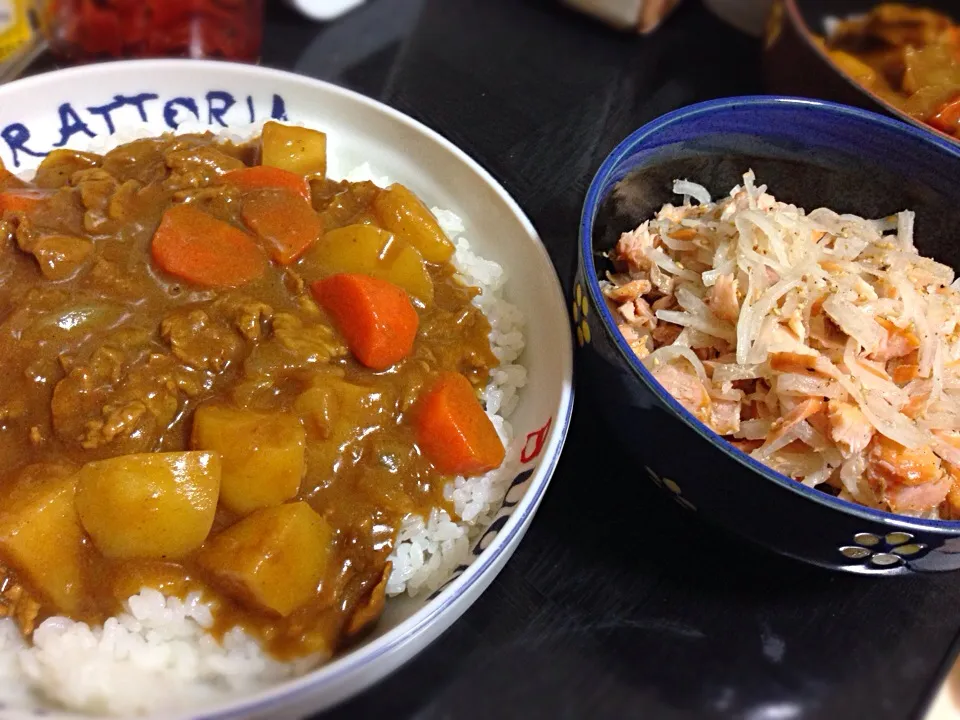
(286, 222)
(261, 176)
(22, 199)
(375, 317)
(454, 432)
(947, 118)
(205, 251)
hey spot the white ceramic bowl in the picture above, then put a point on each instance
(67, 108)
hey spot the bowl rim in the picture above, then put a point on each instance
(473, 581)
(590, 208)
(807, 34)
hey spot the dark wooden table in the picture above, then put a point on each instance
(616, 605)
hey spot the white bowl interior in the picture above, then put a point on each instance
(72, 108)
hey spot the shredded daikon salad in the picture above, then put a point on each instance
(823, 345)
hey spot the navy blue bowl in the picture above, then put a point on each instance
(812, 154)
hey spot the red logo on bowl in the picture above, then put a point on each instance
(534, 443)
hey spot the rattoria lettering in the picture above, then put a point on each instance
(216, 108)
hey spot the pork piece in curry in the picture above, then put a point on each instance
(225, 372)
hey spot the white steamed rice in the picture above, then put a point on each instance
(157, 656)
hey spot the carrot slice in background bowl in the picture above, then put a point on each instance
(947, 118)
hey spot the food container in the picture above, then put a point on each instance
(86, 30)
(748, 16)
(642, 16)
(810, 153)
(795, 64)
(98, 106)
(15, 30)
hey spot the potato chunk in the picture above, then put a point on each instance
(337, 413)
(40, 533)
(401, 212)
(368, 250)
(297, 149)
(149, 505)
(56, 169)
(330, 401)
(273, 559)
(263, 454)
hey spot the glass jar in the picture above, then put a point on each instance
(87, 30)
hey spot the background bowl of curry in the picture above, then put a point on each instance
(794, 63)
(100, 103)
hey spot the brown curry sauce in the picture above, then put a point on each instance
(105, 355)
